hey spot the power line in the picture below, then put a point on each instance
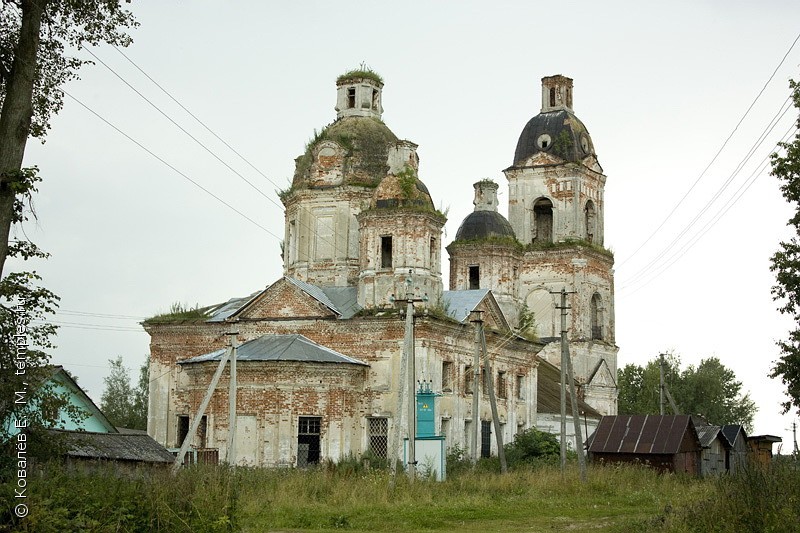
(99, 315)
(182, 174)
(302, 223)
(723, 210)
(756, 144)
(724, 144)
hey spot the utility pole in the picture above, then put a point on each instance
(410, 364)
(476, 376)
(794, 435)
(487, 368)
(566, 375)
(661, 384)
(232, 386)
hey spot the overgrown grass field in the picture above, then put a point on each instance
(349, 497)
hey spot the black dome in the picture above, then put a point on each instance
(559, 133)
(483, 224)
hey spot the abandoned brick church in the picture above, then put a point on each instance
(319, 350)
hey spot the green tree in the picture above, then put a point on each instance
(785, 263)
(125, 405)
(34, 38)
(709, 389)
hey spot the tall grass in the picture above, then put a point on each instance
(350, 497)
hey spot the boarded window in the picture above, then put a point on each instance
(324, 237)
(502, 384)
(597, 320)
(520, 387)
(474, 277)
(447, 376)
(308, 440)
(486, 438)
(386, 251)
(379, 437)
(590, 221)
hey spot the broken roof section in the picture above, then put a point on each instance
(133, 447)
(549, 393)
(642, 434)
(340, 300)
(294, 347)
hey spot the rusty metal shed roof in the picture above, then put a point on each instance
(641, 434)
(135, 447)
(294, 347)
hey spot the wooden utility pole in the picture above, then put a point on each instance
(487, 368)
(476, 376)
(231, 456)
(664, 390)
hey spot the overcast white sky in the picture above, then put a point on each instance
(659, 88)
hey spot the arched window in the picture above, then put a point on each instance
(590, 218)
(597, 317)
(542, 221)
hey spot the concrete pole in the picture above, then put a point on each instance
(232, 387)
(576, 418)
(200, 411)
(661, 384)
(501, 453)
(476, 376)
(412, 403)
(564, 358)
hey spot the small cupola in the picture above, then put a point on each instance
(485, 195)
(556, 93)
(358, 94)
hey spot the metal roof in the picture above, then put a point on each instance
(548, 398)
(294, 347)
(731, 433)
(345, 299)
(641, 434)
(459, 304)
(707, 434)
(222, 311)
(114, 446)
(484, 224)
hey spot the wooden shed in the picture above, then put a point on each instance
(761, 448)
(736, 451)
(714, 452)
(668, 443)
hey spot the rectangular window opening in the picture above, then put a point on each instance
(308, 440)
(379, 437)
(183, 429)
(447, 376)
(474, 277)
(469, 377)
(351, 97)
(501, 384)
(520, 385)
(386, 251)
(486, 438)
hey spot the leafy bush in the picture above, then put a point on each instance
(530, 446)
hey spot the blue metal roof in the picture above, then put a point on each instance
(460, 304)
(294, 347)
